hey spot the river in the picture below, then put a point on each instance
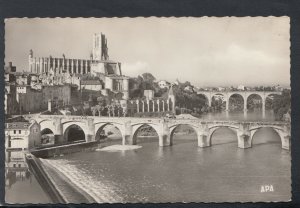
(179, 173)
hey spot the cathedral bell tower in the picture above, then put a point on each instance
(31, 61)
(100, 49)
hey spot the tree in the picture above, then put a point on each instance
(98, 108)
(93, 109)
(148, 77)
(282, 104)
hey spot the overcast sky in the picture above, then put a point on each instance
(206, 51)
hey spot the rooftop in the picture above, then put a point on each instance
(17, 125)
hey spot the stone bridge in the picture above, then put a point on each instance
(244, 94)
(129, 126)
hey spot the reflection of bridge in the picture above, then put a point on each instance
(244, 94)
(92, 127)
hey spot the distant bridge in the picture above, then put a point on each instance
(60, 126)
(244, 94)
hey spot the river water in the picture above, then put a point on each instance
(179, 173)
(20, 184)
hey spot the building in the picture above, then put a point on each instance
(64, 70)
(22, 135)
(163, 84)
(23, 78)
(241, 87)
(150, 106)
(56, 93)
(189, 89)
(10, 68)
(28, 100)
(10, 101)
(94, 85)
(149, 94)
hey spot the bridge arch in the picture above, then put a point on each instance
(276, 130)
(99, 128)
(74, 133)
(47, 131)
(47, 136)
(47, 124)
(206, 97)
(173, 130)
(219, 101)
(254, 104)
(240, 100)
(137, 127)
(214, 129)
(269, 100)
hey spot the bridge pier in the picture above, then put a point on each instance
(58, 134)
(90, 133)
(244, 136)
(59, 139)
(263, 107)
(285, 137)
(227, 105)
(244, 141)
(203, 140)
(164, 135)
(286, 142)
(245, 106)
(127, 137)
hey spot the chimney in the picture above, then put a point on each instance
(50, 105)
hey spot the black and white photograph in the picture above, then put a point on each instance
(147, 110)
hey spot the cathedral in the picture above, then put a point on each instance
(65, 70)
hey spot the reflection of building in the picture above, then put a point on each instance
(64, 70)
(16, 168)
(21, 135)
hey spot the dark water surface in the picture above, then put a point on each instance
(179, 173)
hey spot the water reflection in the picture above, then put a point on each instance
(256, 115)
(16, 168)
(21, 185)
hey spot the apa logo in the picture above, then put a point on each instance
(266, 188)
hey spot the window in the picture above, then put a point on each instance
(14, 165)
(19, 131)
(15, 131)
(19, 165)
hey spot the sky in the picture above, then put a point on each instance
(207, 51)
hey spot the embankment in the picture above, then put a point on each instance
(64, 149)
(43, 179)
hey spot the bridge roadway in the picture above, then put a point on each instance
(129, 126)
